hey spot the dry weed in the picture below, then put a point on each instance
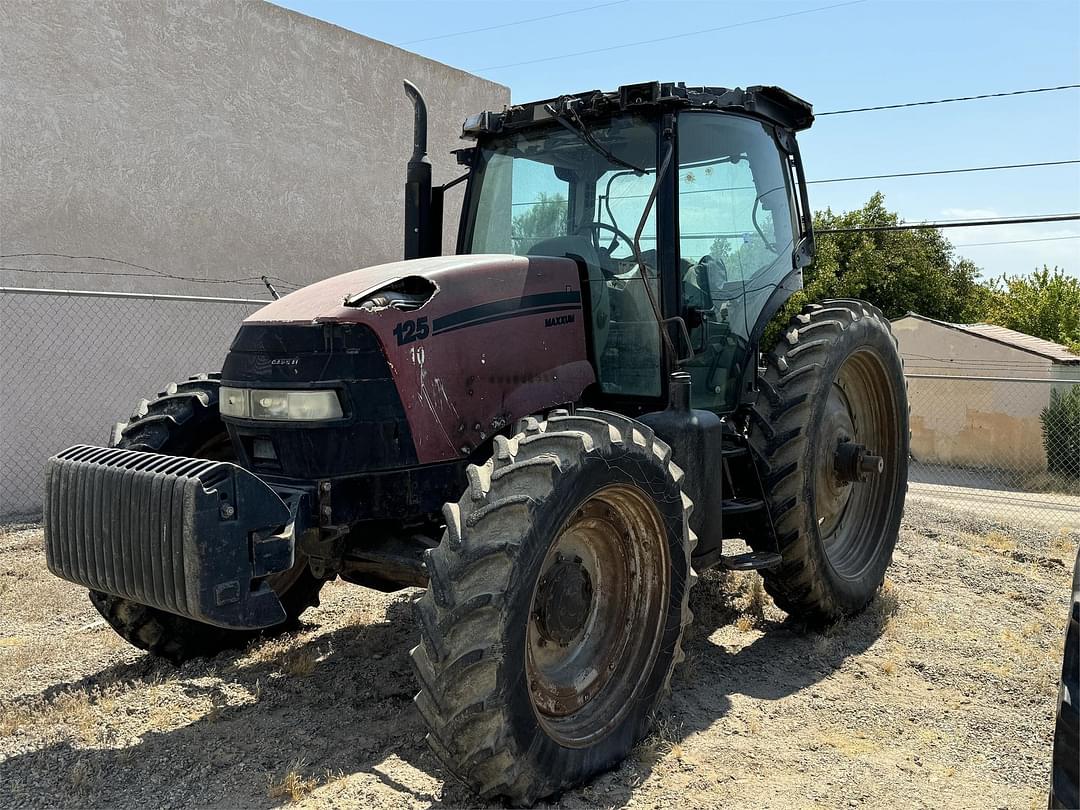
(744, 624)
(294, 785)
(687, 671)
(755, 598)
(79, 711)
(299, 664)
(665, 739)
(82, 776)
(1063, 545)
(886, 604)
(998, 541)
(18, 654)
(711, 601)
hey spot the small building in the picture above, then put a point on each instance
(977, 392)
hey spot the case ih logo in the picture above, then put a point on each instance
(285, 361)
(558, 320)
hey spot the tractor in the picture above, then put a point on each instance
(551, 431)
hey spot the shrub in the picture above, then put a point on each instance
(1061, 432)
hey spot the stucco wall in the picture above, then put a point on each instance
(208, 139)
(972, 422)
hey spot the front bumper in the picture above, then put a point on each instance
(189, 536)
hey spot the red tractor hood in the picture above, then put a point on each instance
(494, 338)
(325, 300)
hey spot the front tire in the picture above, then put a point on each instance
(556, 607)
(834, 384)
(184, 420)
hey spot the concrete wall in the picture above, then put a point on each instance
(211, 140)
(973, 423)
(208, 139)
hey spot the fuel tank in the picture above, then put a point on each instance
(471, 343)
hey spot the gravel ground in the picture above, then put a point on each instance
(941, 694)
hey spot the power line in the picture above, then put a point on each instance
(835, 180)
(671, 37)
(509, 24)
(956, 223)
(948, 100)
(1016, 241)
(947, 171)
(982, 364)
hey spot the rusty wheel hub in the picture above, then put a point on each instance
(596, 617)
(564, 601)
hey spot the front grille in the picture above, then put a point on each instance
(374, 434)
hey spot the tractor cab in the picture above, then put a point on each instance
(683, 207)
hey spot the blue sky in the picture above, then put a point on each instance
(853, 55)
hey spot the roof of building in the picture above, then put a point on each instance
(1009, 337)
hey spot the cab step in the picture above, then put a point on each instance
(751, 561)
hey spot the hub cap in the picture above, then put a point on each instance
(854, 467)
(597, 615)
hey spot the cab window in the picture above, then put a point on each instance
(736, 241)
(524, 202)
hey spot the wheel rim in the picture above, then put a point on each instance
(854, 476)
(597, 615)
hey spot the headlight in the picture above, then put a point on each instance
(257, 403)
(234, 402)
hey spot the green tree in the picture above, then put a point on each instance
(897, 271)
(1045, 304)
(545, 217)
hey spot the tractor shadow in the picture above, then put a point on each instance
(336, 704)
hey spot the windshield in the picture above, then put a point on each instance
(538, 185)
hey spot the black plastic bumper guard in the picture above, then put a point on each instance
(189, 536)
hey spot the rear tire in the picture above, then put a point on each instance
(835, 377)
(529, 681)
(184, 421)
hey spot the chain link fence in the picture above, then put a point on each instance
(1004, 447)
(73, 363)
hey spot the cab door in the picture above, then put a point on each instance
(737, 240)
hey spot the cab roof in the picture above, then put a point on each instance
(772, 104)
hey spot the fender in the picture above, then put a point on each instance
(473, 342)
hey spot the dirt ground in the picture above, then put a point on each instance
(941, 695)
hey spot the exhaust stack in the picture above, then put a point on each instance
(418, 224)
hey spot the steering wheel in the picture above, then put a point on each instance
(596, 227)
